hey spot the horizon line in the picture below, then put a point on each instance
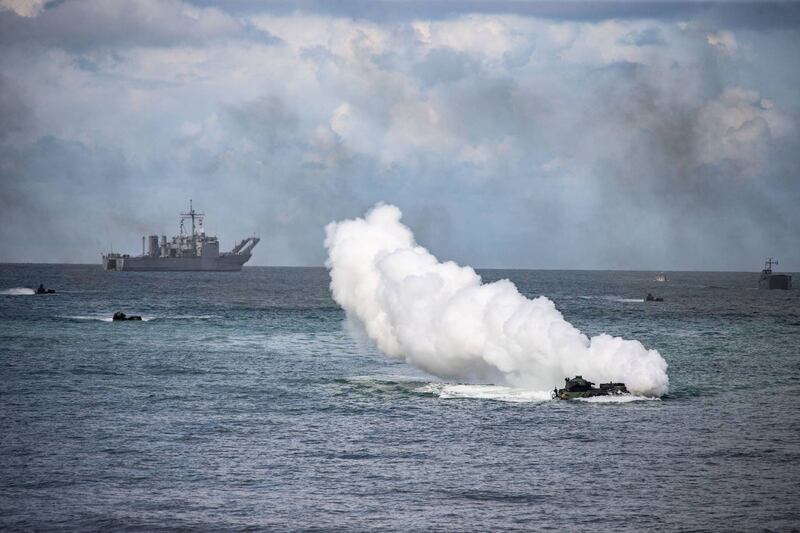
(3, 263)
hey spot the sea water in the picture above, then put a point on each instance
(242, 401)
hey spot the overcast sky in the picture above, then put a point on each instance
(627, 135)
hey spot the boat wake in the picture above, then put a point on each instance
(108, 318)
(17, 291)
(463, 391)
(483, 392)
(617, 398)
(612, 298)
(102, 318)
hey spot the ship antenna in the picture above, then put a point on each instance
(192, 214)
(770, 262)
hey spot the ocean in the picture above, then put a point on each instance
(243, 402)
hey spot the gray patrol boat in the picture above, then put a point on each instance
(186, 251)
(768, 280)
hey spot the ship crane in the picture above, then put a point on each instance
(251, 243)
(239, 246)
(245, 246)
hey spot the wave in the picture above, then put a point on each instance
(17, 291)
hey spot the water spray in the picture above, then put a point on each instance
(441, 318)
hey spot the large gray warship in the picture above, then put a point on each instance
(186, 251)
(768, 280)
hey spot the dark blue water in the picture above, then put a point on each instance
(243, 403)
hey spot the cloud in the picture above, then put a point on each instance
(92, 24)
(444, 65)
(14, 111)
(491, 131)
(724, 41)
(23, 8)
(740, 14)
(738, 128)
(650, 36)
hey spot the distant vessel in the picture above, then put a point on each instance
(661, 277)
(42, 290)
(768, 280)
(186, 251)
(578, 387)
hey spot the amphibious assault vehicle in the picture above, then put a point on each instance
(578, 387)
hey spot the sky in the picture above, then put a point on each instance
(511, 134)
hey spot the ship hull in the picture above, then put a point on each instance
(224, 263)
(775, 281)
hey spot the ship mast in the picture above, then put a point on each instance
(769, 263)
(192, 214)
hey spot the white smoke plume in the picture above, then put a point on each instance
(441, 318)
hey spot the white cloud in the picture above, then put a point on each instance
(488, 37)
(738, 127)
(23, 8)
(724, 41)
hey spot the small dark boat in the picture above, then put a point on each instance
(42, 290)
(651, 298)
(119, 316)
(578, 387)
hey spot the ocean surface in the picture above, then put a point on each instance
(242, 402)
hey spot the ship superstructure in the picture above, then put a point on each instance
(189, 250)
(768, 280)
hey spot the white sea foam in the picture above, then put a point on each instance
(108, 318)
(620, 398)
(441, 318)
(484, 392)
(18, 291)
(612, 298)
(103, 318)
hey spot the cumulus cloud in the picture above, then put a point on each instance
(738, 127)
